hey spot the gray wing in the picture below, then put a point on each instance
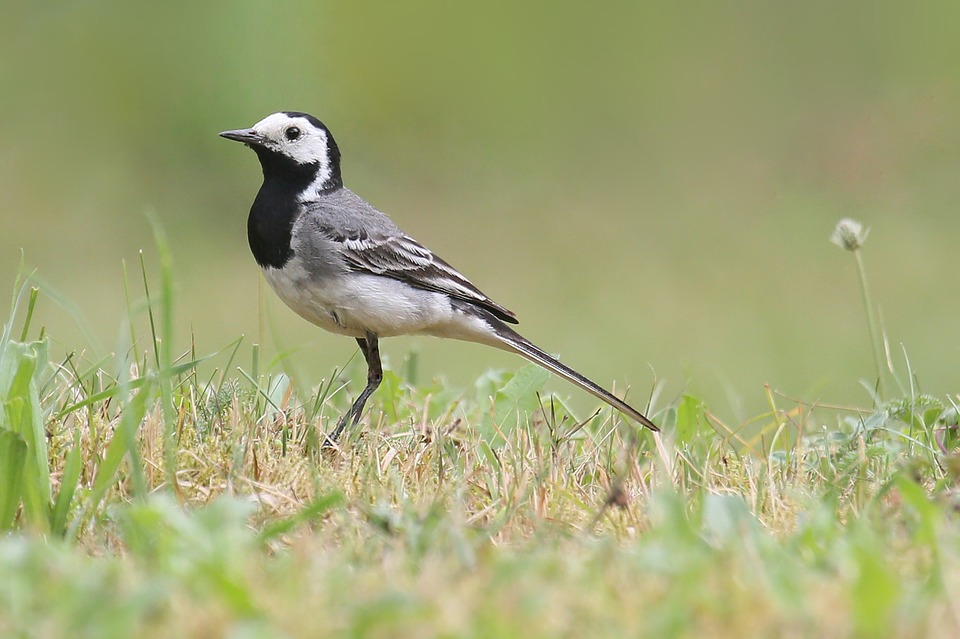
(368, 241)
(403, 258)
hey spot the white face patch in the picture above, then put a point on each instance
(299, 140)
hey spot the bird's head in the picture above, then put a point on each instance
(290, 144)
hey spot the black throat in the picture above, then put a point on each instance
(276, 208)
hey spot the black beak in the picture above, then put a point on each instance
(247, 136)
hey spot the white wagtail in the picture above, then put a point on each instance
(346, 267)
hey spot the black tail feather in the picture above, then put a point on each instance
(517, 343)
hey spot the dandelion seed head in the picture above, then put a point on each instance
(849, 234)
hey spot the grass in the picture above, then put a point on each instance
(156, 494)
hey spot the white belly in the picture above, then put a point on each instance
(355, 304)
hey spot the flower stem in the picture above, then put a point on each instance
(871, 321)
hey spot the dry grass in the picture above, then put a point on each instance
(150, 500)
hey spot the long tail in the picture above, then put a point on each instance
(513, 341)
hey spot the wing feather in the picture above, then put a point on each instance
(403, 258)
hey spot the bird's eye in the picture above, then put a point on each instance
(292, 133)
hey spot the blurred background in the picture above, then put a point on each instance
(651, 187)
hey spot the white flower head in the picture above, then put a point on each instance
(850, 234)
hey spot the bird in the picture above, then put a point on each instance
(344, 266)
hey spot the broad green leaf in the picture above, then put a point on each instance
(523, 387)
(690, 419)
(927, 512)
(13, 455)
(23, 415)
(725, 519)
(517, 399)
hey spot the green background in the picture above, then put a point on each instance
(651, 187)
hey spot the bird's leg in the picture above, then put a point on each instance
(374, 373)
(371, 353)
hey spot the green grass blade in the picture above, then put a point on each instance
(124, 441)
(164, 350)
(155, 339)
(68, 487)
(313, 510)
(133, 384)
(31, 305)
